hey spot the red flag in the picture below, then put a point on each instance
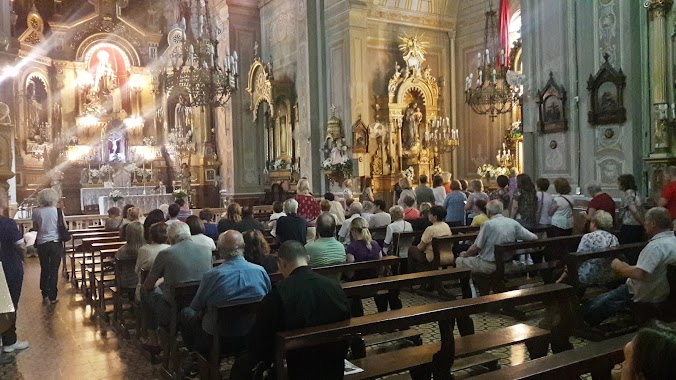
(504, 30)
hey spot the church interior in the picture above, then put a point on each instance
(231, 107)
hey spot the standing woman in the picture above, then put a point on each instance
(525, 202)
(476, 194)
(12, 251)
(631, 211)
(50, 248)
(366, 192)
(438, 190)
(406, 190)
(308, 207)
(562, 210)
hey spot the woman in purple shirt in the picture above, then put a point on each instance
(362, 248)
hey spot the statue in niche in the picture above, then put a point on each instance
(185, 177)
(33, 110)
(377, 159)
(105, 80)
(183, 115)
(84, 176)
(56, 176)
(338, 153)
(412, 119)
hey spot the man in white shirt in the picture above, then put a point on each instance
(398, 225)
(278, 212)
(480, 257)
(647, 280)
(379, 218)
(355, 212)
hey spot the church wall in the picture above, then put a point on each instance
(569, 39)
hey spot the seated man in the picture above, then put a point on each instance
(380, 218)
(303, 299)
(248, 221)
(234, 281)
(647, 280)
(480, 257)
(184, 261)
(326, 250)
(421, 256)
(292, 226)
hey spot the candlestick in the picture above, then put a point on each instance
(494, 74)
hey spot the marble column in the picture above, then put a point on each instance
(657, 13)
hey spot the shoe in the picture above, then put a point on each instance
(54, 301)
(45, 300)
(19, 345)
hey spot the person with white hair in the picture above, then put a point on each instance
(647, 280)
(234, 281)
(12, 251)
(292, 226)
(355, 212)
(183, 261)
(50, 249)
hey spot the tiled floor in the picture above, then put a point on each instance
(66, 344)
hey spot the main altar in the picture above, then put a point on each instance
(96, 110)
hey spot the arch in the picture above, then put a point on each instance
(112, 41)
(260, 88)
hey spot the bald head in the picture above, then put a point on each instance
(230, 244)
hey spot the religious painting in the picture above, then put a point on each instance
(210, 174)
(108, 70)
(36, 112)
(607, 99)
(360, 137)
(552, 106)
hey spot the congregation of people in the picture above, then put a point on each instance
(170, 246)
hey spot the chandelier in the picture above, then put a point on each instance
(440, 136)
(491, 94)
(197, 68)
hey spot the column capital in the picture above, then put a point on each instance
(658, 8)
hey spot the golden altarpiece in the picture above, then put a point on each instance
(92, 111)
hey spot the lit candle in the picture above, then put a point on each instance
(488, 57)
(494, 74)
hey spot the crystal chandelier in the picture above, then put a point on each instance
(491, 94)
(440, 136)
(197, 69)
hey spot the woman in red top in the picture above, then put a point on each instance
(600, 201)
(308, 207)
(410, 212)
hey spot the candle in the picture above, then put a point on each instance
(673, 111)
(481, 77)
(494, 73)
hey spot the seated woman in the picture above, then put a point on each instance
(410, 212)
(157, 241)
(257, 251)
(420, 256)
(479, 211)
(197, 233)
(210, 228)
(114, 220)
(398, 225)
(649, 356)
(233, 215)
(154, 216)
(129, 251)
(362, 248)
(596, 271)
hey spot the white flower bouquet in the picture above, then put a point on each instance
(279, 165)
(179, 194)
(116, 195)
(490, 171)
(409, 173)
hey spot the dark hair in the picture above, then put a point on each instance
(348, 202)
(326, 225)
(291, 250)
(437, 181)
(180, 202)
(329, 196)
(455, 185)
(277, 206)
(409, 201)
(174, 209)
(562, 186)
(247, 211)
(158, 233)
(626, 182)
(113, 211)
(153, 217)
(524, 183)
(367, 182)
(255, 246)
(207, 215)
(381, 204)
(543, 184)
(502, 180)
(195, 224)
(439, 212)
(125, 209)
(423, 179)
(654, 350)
(463, 184)
(481, 205)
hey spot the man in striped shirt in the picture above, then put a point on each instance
(326, 250)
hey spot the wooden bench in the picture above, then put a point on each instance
(121, 294)
(183, 295)
(76, 253)
(93, 259)
(437, 357)
(341, 268)
(446, 244)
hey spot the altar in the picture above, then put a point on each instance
(90, 196)
(146, 203)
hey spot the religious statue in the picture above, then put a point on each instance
(105, 80)
(183, 115)
(115, 148)
(84, 176)
(33, 109)
(377, 160)
(338, 153)
(414, 52)
(412, 119)
(4, 114)
(56, 176)
(185, 177)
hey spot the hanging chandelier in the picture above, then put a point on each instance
(491, 94)
(197, 69)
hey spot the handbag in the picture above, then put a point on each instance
(64, 234)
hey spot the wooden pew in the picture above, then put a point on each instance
(93, 260)
(119, 295)
(446, 244)
(183, 296)
(439, 355)
(73, 253)
(85, 255)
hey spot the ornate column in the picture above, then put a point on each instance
(6, 147)
(657, 14)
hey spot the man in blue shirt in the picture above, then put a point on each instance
(233, 282)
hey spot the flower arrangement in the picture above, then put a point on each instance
(95, 173)
(149, 141)
(490, 171)
(116, 195)
(345, 167)
(279, 165)
(143, 172)
(409, 173)
(437, 171)
(179, 194)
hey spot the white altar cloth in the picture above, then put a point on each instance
(90, 196)
(146, 203)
